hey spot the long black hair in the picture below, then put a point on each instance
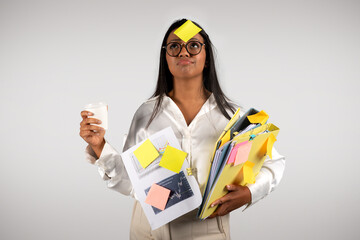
(165, 79)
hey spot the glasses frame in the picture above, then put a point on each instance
(181, 46)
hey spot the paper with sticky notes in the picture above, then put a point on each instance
(142, 163)
(186, 31)
(173, 159)
(239, 155)
(146, 153)
(157, 196)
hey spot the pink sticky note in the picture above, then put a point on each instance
(243, 152)
(158, 196)
(234, 152)
(232, 155)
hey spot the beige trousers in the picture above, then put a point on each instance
(183, 228)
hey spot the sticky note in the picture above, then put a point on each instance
(146, 153)
(187, 31)
(157, 196)
(260, 117)
(269, 145)
(248, 173)
(233, 153)
(172, 159)
(243, 151)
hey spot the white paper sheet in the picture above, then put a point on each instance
(185, 192)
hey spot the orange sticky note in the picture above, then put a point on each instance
(243, 151)
(248, 173)
(260, 117)
(269, 145)
(173, 159)
(187, 31)
(146, 153)
(157, 196)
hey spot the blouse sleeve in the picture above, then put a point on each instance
(110, 164)
(111, 168)
(268, 178)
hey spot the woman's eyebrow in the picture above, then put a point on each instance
(175, 40)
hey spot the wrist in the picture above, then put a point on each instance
(248, 194)
(98, 148)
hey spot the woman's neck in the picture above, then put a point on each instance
(189, 96)
(188, 91)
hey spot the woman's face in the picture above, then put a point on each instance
(186, 65)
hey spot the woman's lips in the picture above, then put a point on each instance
(184, 62)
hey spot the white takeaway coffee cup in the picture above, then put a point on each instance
(100, 112)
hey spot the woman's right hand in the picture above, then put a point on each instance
(93, 135)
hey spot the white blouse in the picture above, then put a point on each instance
(197, 139)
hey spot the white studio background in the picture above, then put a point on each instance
(297, 60)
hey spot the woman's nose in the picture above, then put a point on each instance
(183, 51)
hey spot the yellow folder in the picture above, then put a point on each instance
(262, 138)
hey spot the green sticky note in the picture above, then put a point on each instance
(173, 159)
(187, 31)
(146, 153)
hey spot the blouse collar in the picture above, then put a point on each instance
(170, 105)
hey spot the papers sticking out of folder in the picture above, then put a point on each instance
(238, 155)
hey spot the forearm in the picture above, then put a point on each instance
(111, 169)
(268, 178)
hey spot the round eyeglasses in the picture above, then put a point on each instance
(173, 49)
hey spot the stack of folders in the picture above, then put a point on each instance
(238, 155)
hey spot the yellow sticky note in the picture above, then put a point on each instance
(269, 145)
(225, 138)
(173, 159)
(260, 117)
(248, 173)
(146, 153)
(187, 31)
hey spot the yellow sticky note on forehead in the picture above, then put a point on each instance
(187, 31)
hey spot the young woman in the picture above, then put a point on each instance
(188, 98)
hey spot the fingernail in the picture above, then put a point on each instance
(212, 205)
(89, 114)
(99, 121)
(227, 186)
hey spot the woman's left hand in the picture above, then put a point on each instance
(235, 198)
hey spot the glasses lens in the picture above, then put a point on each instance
(193, 47)
(173, 49)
